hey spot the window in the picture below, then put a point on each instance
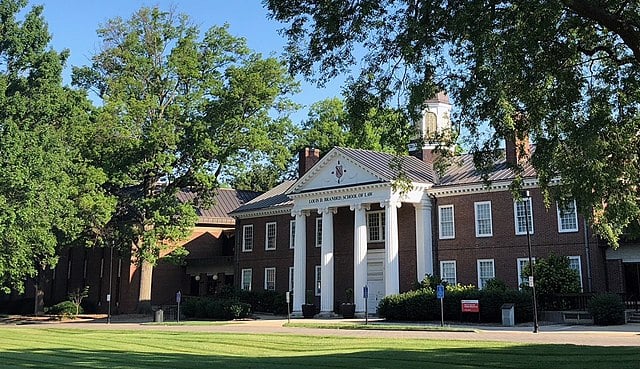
(448, 271)
(484, 227)
(270, 236)
(246, 279)
(318, 232)
(247, 238)
(567, 217)
(574, 263)
(375, 226)
(522, 265)
(290, 278)
(292, 234)
(270, 279)
(520, 216)
(446, 227)
(486, 271)
(318, 279)
(431, 124)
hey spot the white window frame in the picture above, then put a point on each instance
(480, 278)
(453, 222)
(247, 243)
(476, 206)
(520, 263)
(291, 281)
(528, 203)
(292, 234)
(380, 226)
(318, 280)
(318, 232)
(455, 272)
(561, 213)
(269, 272)
(268, 245)
(244, 273)
(578, 269)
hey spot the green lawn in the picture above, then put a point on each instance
(76, 348)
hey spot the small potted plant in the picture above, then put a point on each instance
(309, 308)
(348, 308)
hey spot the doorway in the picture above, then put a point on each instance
(375, 279)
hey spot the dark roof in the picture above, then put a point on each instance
(440, 97)
(225, 201)
(274, 198)
(463, 171)
(380, 163)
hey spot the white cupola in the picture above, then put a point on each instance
(436, 120)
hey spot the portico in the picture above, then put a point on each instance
(342, 180)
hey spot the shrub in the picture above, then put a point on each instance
(218, 309)
(264, 301)
(607, 309)
(66, 309)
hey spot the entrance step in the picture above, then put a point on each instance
(633, 317)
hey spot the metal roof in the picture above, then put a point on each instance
(274, 198)
(463, 171)
(225, 201)
(380, 163)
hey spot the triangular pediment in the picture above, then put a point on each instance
(335, 170)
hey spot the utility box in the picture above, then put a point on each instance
(158, 316)
(508, 316)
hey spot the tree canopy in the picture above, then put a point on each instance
(50, 195)
(570, 68)
(179, 108)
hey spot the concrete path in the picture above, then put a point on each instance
(624, 335)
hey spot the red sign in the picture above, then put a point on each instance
(470, 306)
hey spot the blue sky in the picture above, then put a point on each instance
(73, 25)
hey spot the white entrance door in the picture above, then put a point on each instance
(375, 279)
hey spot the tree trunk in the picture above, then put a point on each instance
(38, 296)
(144, 294)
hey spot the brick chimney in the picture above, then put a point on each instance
(307, 158)
(517, 149)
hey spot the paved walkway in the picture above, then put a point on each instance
(623, 335)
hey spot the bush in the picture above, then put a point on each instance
(264, 301)
(607, 309)
(66, 309)
(422, 304)
(217, 309)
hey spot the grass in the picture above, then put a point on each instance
(76, 348)
(378, 327)
(191, 323)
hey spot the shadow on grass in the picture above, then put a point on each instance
(497, 356)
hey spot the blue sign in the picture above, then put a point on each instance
(365, 292)
(178, 297)
(440, 291)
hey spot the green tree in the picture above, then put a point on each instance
(178, 110)
(569, 69)
(553, 275)
(50, 195)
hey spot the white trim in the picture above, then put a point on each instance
(318, 280)
(380, 226)
(575, 218)
(528, 203)
(292, 233)
(318, 232)
(245, 246)
(475, 208)
(263, 212)
(291, 279)
(579, 270)
(266, 235)
(266, 278)
(453, 222)
(455, 271)
(493, 265)
(242, 279)
(481, 187)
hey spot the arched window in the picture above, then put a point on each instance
(431, 126)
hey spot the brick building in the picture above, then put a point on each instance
(343, 224)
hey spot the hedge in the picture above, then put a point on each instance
(214, 308)
(607, 309)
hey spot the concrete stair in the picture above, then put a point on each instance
(633, 317)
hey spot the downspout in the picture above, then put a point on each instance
(587, 249)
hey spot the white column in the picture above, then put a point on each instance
(424, 241)
(392, 269)
(299, 262)
(359, 254)
(326, 259)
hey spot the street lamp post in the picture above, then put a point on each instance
(527, 195)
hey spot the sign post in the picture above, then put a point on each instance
(440, 296)
(365, 294)
(178, 299)
(288, 296)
